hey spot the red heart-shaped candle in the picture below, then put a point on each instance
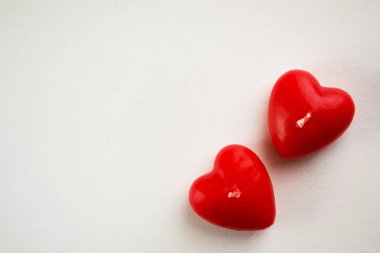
(237, 193)
(304, 116)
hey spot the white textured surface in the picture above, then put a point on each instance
(109, 110)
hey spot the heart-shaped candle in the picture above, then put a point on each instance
(237, 193)
(304, 116)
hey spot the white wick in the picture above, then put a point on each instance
(301, 122)
(234, 194)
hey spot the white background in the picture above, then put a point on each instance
(110, 109)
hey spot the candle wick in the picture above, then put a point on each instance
(234, 194)
(301, 122)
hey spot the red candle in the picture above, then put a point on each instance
(237, 193)
(304, 116)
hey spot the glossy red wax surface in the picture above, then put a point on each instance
(304, 116)
(237, 193)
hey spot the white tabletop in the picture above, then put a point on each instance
(109, 109)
